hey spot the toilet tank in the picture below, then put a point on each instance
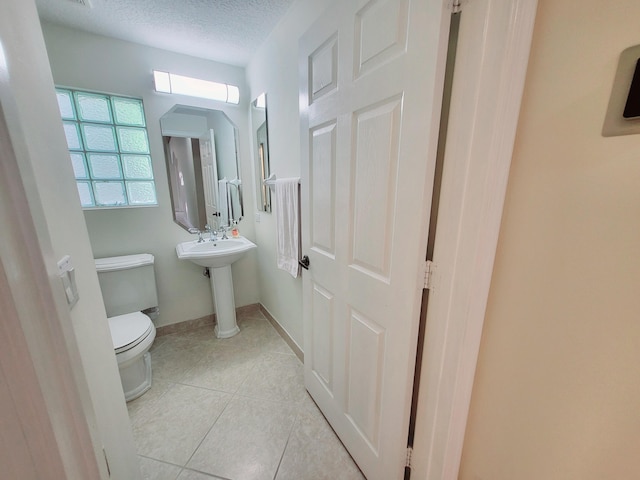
(128, 283)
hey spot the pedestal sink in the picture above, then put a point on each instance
(218, 256)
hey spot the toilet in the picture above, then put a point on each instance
(128, 287)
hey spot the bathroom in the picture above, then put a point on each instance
(94, 63)
(554, 391)
(90, 62)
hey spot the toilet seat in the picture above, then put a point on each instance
(129, 330)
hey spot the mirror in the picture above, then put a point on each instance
(201, 153)
(261, 149)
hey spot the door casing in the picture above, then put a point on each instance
(489, 76)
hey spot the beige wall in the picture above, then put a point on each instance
(557, 390)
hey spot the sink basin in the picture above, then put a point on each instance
(214, 254)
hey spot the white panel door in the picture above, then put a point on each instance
(371, 76)
(209, 175)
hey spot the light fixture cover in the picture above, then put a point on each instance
(166, 82)
(162, 81)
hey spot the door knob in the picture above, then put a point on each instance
(304, 263)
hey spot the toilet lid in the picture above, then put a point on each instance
(129, 328)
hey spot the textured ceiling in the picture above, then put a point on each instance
(227, 31)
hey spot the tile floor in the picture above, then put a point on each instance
(233, 409)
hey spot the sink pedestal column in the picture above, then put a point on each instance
(222, 290)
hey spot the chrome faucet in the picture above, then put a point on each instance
(223, 231)
(196, 230)
(213, 235)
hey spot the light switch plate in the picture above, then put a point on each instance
(67, 275)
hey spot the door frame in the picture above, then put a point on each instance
(42, 401)
(491, 63)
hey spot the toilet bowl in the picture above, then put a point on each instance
(132, 335)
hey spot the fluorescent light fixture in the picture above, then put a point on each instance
(166, 82)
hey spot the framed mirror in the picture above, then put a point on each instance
(201, 153)
(261, 148)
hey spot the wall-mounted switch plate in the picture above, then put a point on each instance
(67, 275)
(257, 217)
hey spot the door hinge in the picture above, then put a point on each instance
(429, 271)
(407, 462)
(455, 5)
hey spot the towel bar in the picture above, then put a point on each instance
(271, 181)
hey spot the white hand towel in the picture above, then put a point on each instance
(223, 199)
(288, 224)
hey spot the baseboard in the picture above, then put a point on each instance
(283, 333)
(254, 307)
(210, 320)
(207, 320)
(186, 325)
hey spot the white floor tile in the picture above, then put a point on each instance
(278, 377)
(315, 453)
(171, 430)
(233, 409)
(155, 470)
(247, 441)
(223, 368)
(175, 357)
(140, 404)
(191, 475)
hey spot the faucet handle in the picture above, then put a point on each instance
(198, 232)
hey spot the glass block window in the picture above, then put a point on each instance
(109, 148)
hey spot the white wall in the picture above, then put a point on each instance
(92, 62)
(557, 385)
(274, 71)
(48, 178)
